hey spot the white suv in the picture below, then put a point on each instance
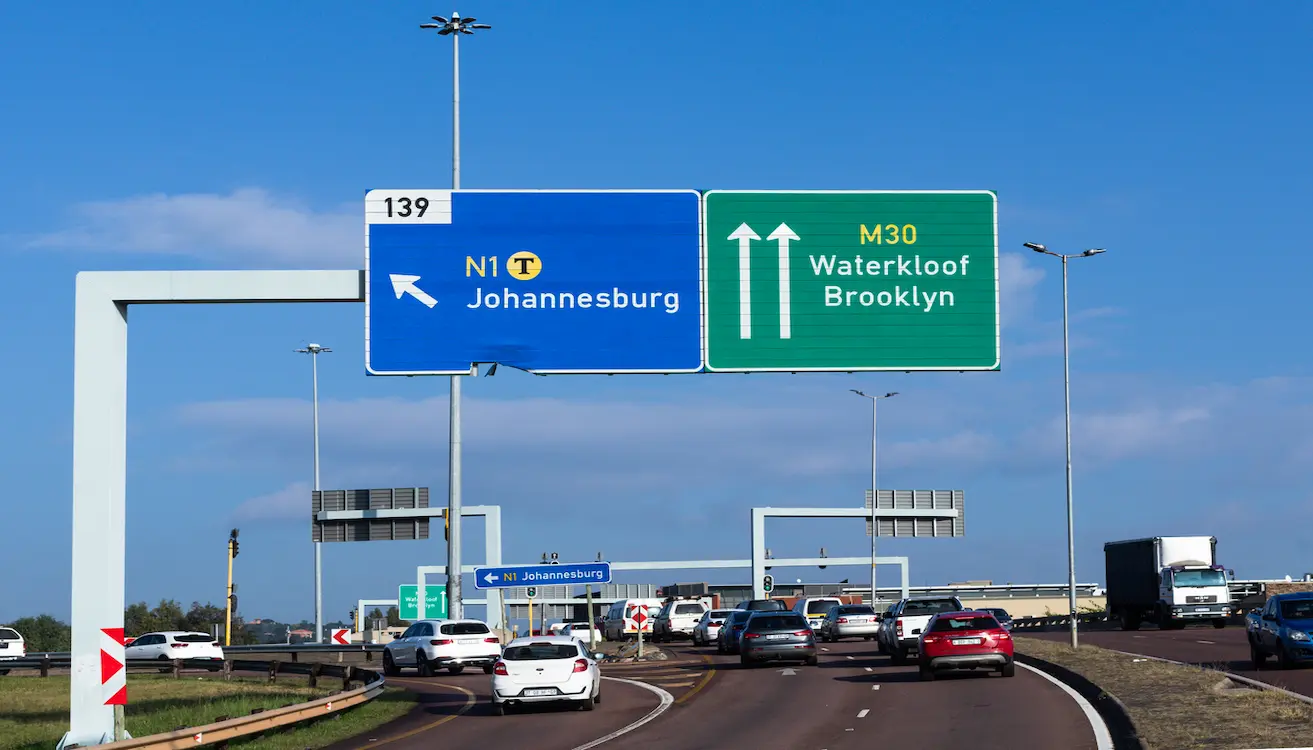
(678, 618)
(176, 644)
(12, 645)
(430, 645)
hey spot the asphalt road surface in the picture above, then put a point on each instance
(853, 699)
(1226, 649)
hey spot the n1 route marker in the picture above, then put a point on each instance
(851, 281)
(564, 574)
(548, 281)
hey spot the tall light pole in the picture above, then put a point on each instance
(454, 27)
(1066, 386)
(875, 402)
(314, 350)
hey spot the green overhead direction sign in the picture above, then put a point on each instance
(850, 281)
(435, 602)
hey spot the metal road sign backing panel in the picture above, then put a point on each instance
(851, 280)
(435, 602)
(550, 281)
(908, 513)
(374, 529)
(503, 577)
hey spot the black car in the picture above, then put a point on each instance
(1001, 615)
(764, 605)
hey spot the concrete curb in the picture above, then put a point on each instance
(1112, 711)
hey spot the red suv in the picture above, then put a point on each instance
(964, 640)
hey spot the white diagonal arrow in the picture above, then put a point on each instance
(784, 235)
(405, 284)
(787, 671)
(490, 578)
(745, 236)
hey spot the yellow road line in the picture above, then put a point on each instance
(469, 703)
(672, 684)
(705, 679)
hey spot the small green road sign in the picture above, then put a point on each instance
(435, 602)
(846, 281)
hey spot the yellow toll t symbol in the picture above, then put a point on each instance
(523, 265)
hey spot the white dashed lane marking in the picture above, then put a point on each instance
(862, 714)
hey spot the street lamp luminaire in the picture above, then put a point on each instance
(454, 27)
(1066, 386)
(314, 350)
(875, 496)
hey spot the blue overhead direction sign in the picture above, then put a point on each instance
(564, 574)
(548, 281)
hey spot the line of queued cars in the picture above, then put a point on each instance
(939, 633)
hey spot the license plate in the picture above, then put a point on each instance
(469, 640)
(1201, 609)
(779, 637)
(966, 641)
(539, 692)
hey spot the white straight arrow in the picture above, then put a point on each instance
(490, 578)
(405, 284)
(745, 236)
(784, 235)
(787, 671)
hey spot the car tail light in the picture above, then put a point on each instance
(929, 639)
(441, 642)
(842, 620)
(499, 668)
(752, 635)
(493, 639)
(180, 645)
(581, 665)
(1002, 635)
(899, 625)
(802, 632)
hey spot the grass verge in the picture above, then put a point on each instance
(1184, 707)
(34, 710)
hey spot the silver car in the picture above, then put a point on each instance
(849, 621)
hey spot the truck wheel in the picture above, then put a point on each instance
(1219, 623)
(1256, 656)
(1130, 622)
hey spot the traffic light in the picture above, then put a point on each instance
(232, 541)
(768, 583)
(531, 592)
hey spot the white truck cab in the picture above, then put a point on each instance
(679, 616)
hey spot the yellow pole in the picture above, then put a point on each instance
(530, 617)
(228, 615)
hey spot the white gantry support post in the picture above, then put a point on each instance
(100, 411)
(492, 554)
(360, 610)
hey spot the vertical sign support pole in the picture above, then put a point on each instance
(319, 579)
(640, 633)
(875, 500)
(455, 603)
(120, 733)
(592, 627)
(1071, 532)
(530, 633)
(228, 600)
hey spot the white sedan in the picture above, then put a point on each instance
(545, 669)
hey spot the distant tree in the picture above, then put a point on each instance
(203, 617)
(138, 619)
(44, 633)
(394, 618)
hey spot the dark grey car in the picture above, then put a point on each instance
(727, 640)
(777, 636)
(763, 605)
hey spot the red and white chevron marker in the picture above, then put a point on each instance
(113, 676)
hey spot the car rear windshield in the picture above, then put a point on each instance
(464, 628)
(536, 651)
(688, 609)
(930, 606)
(855, 610)
(720, 614)
(949, 624)
(1297, 609)
(9, 635)
(820, 606)
(193, 638)
(741, 616)
(777, 622)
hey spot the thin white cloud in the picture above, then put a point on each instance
(290, 503)
(1018, 277)
(250, 225)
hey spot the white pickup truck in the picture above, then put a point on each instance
(901, 625)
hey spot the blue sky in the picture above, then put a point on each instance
(164, 136)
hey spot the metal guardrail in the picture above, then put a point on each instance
(262, 648)
(224, 728)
